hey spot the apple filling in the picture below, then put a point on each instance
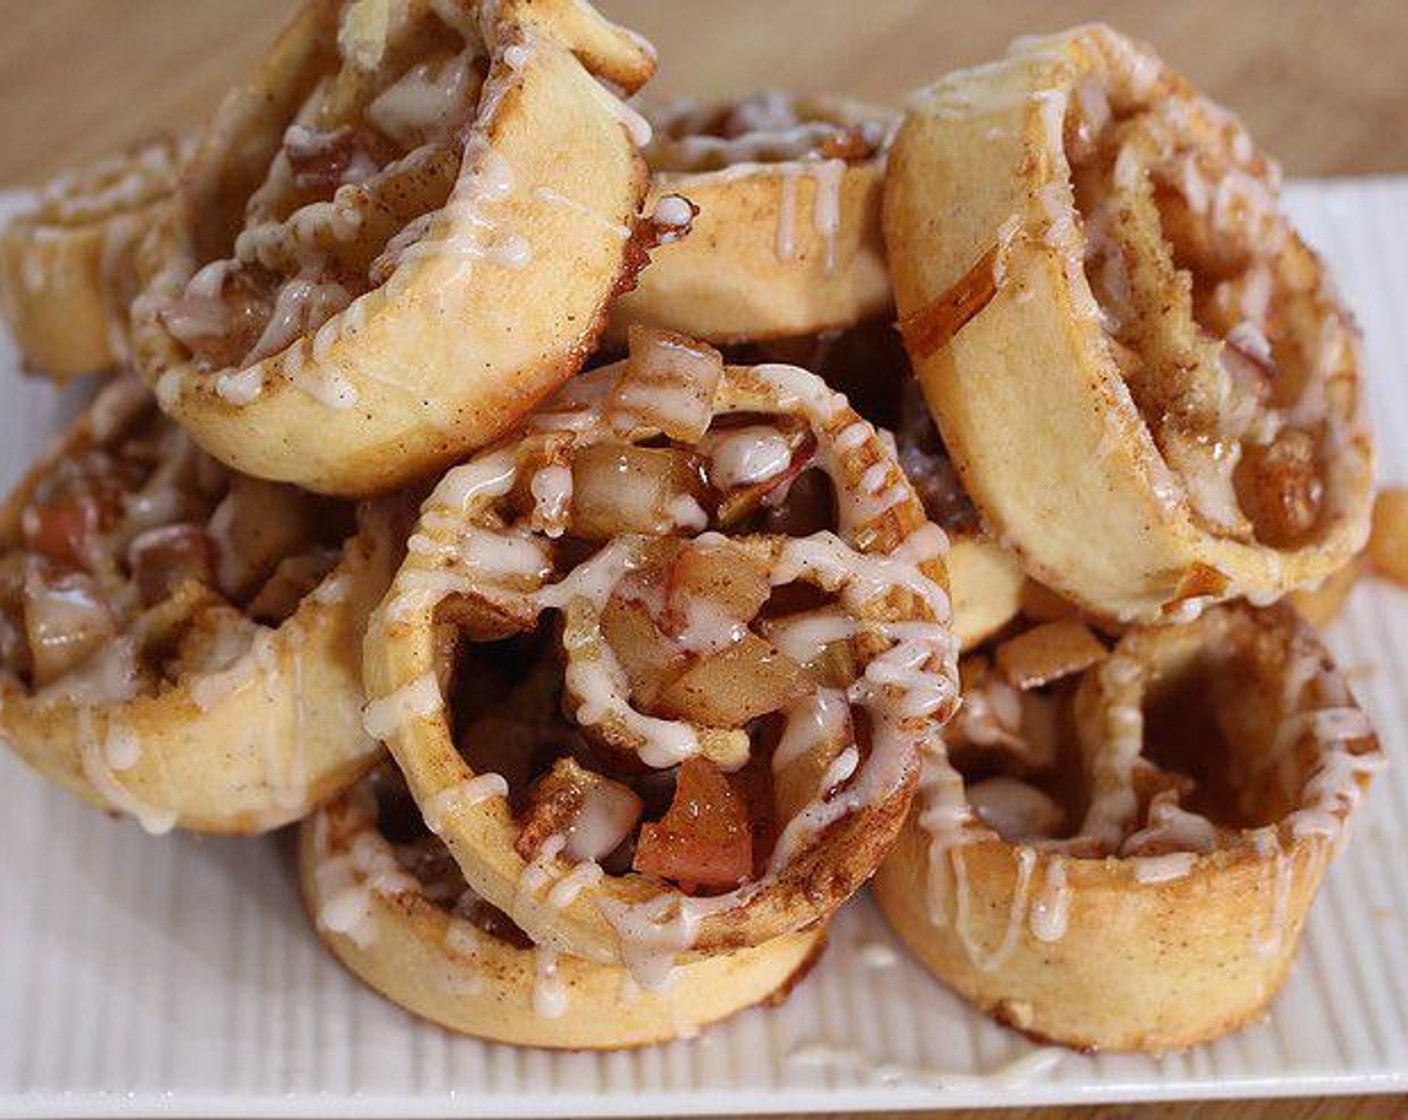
(136, 559)
(1217, 316)
(685, 619)
(361, 173)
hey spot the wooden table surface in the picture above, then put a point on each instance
(1322, 86)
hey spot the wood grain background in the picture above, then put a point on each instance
(1322, 85)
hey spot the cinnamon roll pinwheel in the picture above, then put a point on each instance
(398, 235)
(1145, 378)
(389, 900)
(180, 643)
(786, 239)
(68, 264)
(677, 646)
(1117, 848)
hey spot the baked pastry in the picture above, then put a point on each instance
(67, 264)
(389, 900)
(1117, 848)
(1095, 281)
(787, 239)
(647, 650)
(400, 233)
(869, 365)
(177, 642)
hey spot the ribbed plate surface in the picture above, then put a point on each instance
(179, 976)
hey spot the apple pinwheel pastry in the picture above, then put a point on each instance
(658, 671)
(1116, 848)
(1144, 376)
(397, 236)
(68, 264)
(786, 235)
(389, 900)
(177, 642)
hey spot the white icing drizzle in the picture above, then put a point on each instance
(987, 960)
(385, 716)
(460, 798)
(1050, 911)
(1019, 1071)
(348, 880)
(119, 750)
(538, 873)
(826, 205)
(742, 456)
(1163, 869)
(551, 487)
(822, 717)
(549, 993)
(582, 877)
(610, 225)
(786, 246)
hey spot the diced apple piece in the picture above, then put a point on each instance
(61, 531)
(651, 662)
(66, 622)
(619, 488)
(594, 813)
(708, 583)
(163, 557)
(705, 838)
(256, 526)
(1049, 652)
(743, 501)
(667, 384)
(818, 729)
(1388, 543)
(738, 684)
(1279, 487)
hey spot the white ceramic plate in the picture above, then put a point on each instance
(179, 976)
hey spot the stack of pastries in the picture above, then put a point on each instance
(571, 510)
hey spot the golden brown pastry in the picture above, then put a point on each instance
(396, 237)
(68, 264)
(786, 239)
(1117, 848)
(679, 645)
(177, 642)
(1145, 378)
(390, 901)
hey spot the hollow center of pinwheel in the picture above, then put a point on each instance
(138, 559)
(1215, 332)
(345, 189)
(1214, 758)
